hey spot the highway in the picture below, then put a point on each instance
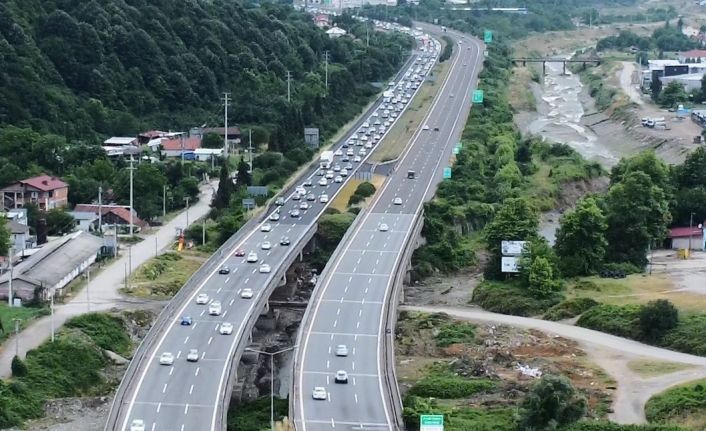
(190, 395)
(349, 307)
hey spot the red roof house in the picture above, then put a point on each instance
(174, 147)
(45, 191)
(679, 237)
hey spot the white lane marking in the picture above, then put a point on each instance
(186, 409)
(360, 312)
(196, 374)
(328, 382)
(191, 390)
(202, 312)
(171, 371)
(182, 427)
(194, 325)
(186, 340)
(333, 424)
(209, 340)
(159, 407)
(338, 312)
(356, 399)
(328, 364)
(246, 280)
(219, 290)
(233, 300)
(153, 425)
(178, 354)
(224, 313)
(228, 278)
(329, 350)
(335, 323)
(164, 389)
(357, 326)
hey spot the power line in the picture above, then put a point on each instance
(289, 86)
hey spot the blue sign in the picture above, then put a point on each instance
(447, 173)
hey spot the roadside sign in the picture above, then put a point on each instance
(458, 145)
(457, 150)
(487, 36)
(478, 96)
(485, 53)
(431, 423)
(447, 173)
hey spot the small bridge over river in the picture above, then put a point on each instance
(545, 60)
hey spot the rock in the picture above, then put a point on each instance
(115, 358)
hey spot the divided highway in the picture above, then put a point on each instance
(350, 306)
(181, 376)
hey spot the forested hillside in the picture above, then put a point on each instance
(86, 69)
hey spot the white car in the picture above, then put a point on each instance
(397, 201)
(341, 377)
(366, 124)
(301, 190)
(338, 179)
(246, 293)
(323, 182)
(368, 145)
(357, 159)
(274, 216)
(362, 153)
(384, 227)
(350, 152)
(319, 393)
(137, 425)
(329, 174)
(266, 245)
(337, 168)
(338, 153)
(214, 309)
(296, 196)
(202, 299)
(265, 268)
(226, 328)
(304, 206)
(166, 358)
(344, 173)
(193, 355)
(266, 228)
(341, 350)
(425, 127)
(323, 198)
(252, 257)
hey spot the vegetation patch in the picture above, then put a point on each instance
(450, 387)
(648, 368)
(622, 321)
(682, 405)
(24, 314)
(68, 367)
(255, 415)
(164, 275)
(569, 308)
(510, 298)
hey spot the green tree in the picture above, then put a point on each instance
(190, 187)
(541, 278)
(647, 162)
(672, 95)
(148, 183)
(516, 220)
(581, 239)
(243, 177)
(212, 140)
(551, 403)
(656, 89)
(637, 215)
(656, 318)
(59, 222)
(5, 242)
(225, 189)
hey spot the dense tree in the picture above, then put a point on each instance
(148, 183)
(646, 162)
(580, 241)
(672, 95)
(656, 318)
(243, 177)
(551, 403)
(225, 189)
(59, 222)
(637, 215)
(212, 140)
(5, 242)
(516, 220)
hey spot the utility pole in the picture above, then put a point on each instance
(326, 54)
(203, 231)
(225, 122)
(88, 288)
(181, 142)
(52, 315)
(289, 86)
(17, 337)
(156, 246)
(367, 34)
(250, 148)
(131, 168)
(272, 378)
(187, 199)
(100, 210)
(691, 230)
(164, 201)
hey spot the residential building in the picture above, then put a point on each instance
(690, 82)
(87, 216)
(52, 267)
(120, 142)
(20, 238)
(207, 154)
(234, 134)
(321, 20)
(175, 147)
(45, 191)
(336, 32)
(680, 237)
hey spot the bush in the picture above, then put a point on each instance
(627, 268)
(108, 332)
(455, 333)
(623, 321)
(688, 336)
(656, 318)
(18, 367)
(679, 402)
(507, 298)
(570, 308)
(612, 426)
(450, 387)
(552, 402)
(365, 189)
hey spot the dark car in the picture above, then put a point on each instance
(240, 252)
(436, 129)
(224, 270)
(186, 320)
(284, 241)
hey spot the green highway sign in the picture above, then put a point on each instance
(447, 175)
(487, 36)
(478, 96)
(431, 423)
(459, 145)
(457, 150)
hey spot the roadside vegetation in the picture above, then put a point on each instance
(162, 276)
(24, 314)
(255, 415)
(70, 366)
(683, 405)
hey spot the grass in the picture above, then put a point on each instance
(404, 128)
(255, 415)
(162, 276)
(25, 314)
(636, 289)
(683, 405)
(648, 368)
(340, 203)
(520, 93)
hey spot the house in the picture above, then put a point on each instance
(175, 147)
(51, 268)
(120, 142)
(208, 154)
(692, 56)
(150, 135)
(88, 218)
(234, 134)
(20, 238)
(680, 237)
(321, 20)
(336, 32)
(45, 191)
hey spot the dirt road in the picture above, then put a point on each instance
(608, 351)
(628, 82)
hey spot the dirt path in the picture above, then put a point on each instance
(608, 351)
(628, 82)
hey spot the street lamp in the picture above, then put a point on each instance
(272, 378)
(17, 336)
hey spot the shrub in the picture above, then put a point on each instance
(108, 332)
(570, 308)
(626, 267)
(365, 189)
(355, 199)
(612, 426)
(623, 321)
(455, 333)
(551, 402)
(508, 298)
(450, 387)
(678, 402)
(656, 318)
(688, 336)
(18, 367)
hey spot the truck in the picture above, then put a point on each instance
(326, 159)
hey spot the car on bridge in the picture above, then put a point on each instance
(202, 299)
(247, 293)
(341, 350)
(224, 270)
(341, 377)
(265, 268)
(193, 355)
(186, 321)
(166, 358)
(226, 328)
(384, 227)
(252, 257)
(266, 227)
(319, 393)
(284, 241)
(214, 309)
(239, 252)
(137, 425)
(266, 245)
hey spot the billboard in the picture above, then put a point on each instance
(512, 248)
(431, 423)
(510, 264)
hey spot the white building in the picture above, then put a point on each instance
(690, 82)
(336, 32)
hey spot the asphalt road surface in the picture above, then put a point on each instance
(185, 395)
(350, 307)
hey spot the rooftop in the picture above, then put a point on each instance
(189, 144)
(684, 232)
(44, 183)
(694, 53)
